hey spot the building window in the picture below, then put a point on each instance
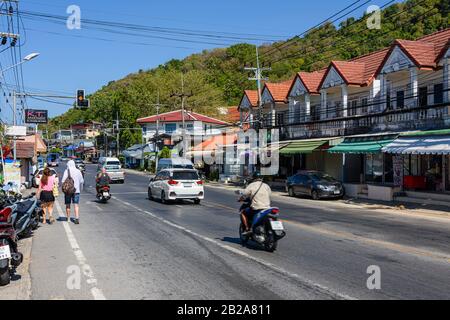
(374, 168)
(353, 108)
(400, 99)
(364, 104)
(338, 109)
(438, 93)
(170, 127)
(280, 118)
(423, 96)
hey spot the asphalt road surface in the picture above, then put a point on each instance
(134, 248)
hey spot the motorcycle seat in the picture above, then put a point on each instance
(24, 206)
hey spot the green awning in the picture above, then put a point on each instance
(302, 146)
(363, 144)
(443, 132)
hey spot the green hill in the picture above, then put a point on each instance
(216, 77)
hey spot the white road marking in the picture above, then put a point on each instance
(86, 269)
(244, 254)
(98, 208)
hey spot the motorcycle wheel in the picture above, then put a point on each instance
(271, 243)
(35, 224)
(244, 239)
(5, 277)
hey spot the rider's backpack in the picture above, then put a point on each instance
(68, 187)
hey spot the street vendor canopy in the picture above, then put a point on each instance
(368, 144)
(419, 145)
(302, 146)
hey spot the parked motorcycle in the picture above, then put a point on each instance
(267, 230)
(104, 194)
(10, 257)
(25, 215)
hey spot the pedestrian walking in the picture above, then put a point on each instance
(72, 183)
(46, 194)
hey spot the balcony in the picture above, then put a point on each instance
(426, 111)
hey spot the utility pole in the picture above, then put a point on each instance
(118, 134)
(258, 77)
(183, 96)
(14, 124)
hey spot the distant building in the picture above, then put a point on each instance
(86, 130)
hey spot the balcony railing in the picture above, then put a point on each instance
(400, 113)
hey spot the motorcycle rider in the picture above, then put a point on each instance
(102, 179)
(259, 193)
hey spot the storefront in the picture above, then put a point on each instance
(425, 158)
(363, 160)
(311, 154)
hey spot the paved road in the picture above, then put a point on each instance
(134, 248)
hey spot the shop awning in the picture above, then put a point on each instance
(419, 145)
(372, 144)
(302, 146)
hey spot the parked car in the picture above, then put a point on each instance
(53, 159)
(175, 163)
(37, 175)
(113, 168)
(79, 163)
(40, 163)
(176, 184)
(316, 184)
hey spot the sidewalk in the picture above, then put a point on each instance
(20, 286)
(379, 206)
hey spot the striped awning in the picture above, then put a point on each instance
(419, 145)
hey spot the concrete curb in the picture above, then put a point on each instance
(20, 289)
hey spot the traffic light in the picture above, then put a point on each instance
(82, 102)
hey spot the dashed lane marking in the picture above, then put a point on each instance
(244, 254)
(97, 294)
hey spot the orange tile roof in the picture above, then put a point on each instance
(233, 114)
(252, 96)
(311, 80)
(216, 142)
(426, 51)
(279, 91)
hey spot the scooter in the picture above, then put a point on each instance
(267, 230)
(10, 257)
(104, 194)
(25, 215)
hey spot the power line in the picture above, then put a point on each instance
(296, 38)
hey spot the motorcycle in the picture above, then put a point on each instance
(267, 230)
(10, 257)
(25, 215)
(103, 194)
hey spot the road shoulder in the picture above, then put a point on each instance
(20, 286)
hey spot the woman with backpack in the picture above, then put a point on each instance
(72, 182)
(46, 193)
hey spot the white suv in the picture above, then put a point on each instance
(176, 184)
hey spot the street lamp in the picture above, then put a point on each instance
(29, 57)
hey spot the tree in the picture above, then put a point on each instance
(165, 153)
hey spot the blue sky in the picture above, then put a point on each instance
(71, 59)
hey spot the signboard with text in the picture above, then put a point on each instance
(16, 131)
(36, 116)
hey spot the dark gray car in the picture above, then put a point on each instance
(315, 184)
